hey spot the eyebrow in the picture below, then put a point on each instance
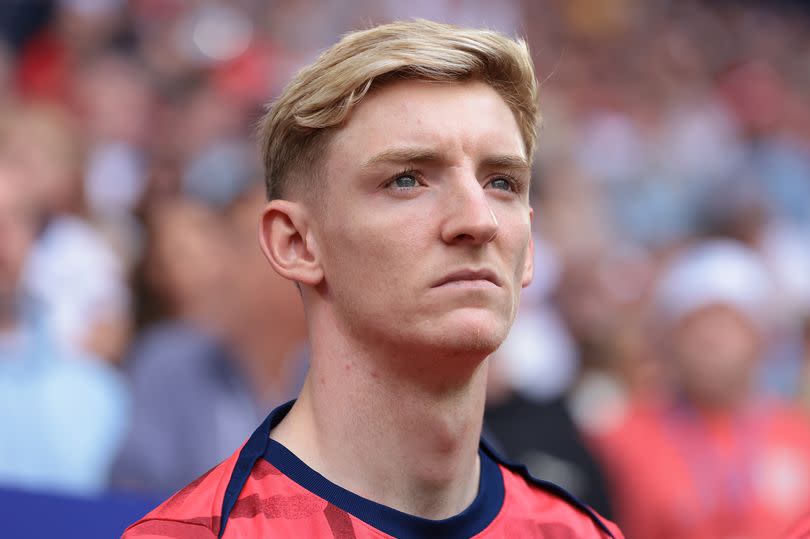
(512, 162)
(402, 155)
(426, 155)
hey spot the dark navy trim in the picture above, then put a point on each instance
(483, 510)
(546, 485)
(471, 521)
(252, 451)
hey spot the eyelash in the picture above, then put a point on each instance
(513, 183)
(410, 171)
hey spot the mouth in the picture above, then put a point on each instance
(469, 276)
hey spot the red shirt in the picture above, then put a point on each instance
(678, 473)
(264, 490)
(800, 530)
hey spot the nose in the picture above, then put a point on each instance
(469, 216)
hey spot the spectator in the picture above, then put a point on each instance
(62, 416)
(711, 459)
(205, 374)
(73, 271)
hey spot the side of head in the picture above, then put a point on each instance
(185, 257)
(395, 164)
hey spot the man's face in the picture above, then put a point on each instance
(715, 350)
(425, 233)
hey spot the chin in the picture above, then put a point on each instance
(473, 332)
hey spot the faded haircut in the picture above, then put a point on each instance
(295, 131)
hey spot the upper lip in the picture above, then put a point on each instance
(468, 274)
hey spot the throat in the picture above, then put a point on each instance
(418, 448)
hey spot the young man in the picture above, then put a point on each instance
(398, 169)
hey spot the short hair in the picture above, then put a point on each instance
(295, 131)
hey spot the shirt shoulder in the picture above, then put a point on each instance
(195, 511)
(533, 508)
(269, 504)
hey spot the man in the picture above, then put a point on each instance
(398, 171)
(91, 314)
(712, 459)
(63, 415)
(217, 360)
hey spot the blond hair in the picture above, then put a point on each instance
(294, 132)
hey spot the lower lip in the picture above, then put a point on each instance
(469, 283)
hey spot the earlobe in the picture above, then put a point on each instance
(528, 267)
(287, 242)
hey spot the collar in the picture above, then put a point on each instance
(481, 512)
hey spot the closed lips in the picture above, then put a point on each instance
(469, 275)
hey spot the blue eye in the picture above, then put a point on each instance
(502, 184)
(405, 181)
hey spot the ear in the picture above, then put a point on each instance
(286, 238)
(528, 264)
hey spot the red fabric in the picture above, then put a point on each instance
(800, 530)
(43, 71)
(672, 478)
(272, 505)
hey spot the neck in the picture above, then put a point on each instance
(717, 405)
(199, 310)
(720, 400)
(417, 441)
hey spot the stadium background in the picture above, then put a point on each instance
(667, 124)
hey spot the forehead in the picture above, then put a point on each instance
(458, 118)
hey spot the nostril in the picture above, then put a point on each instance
(465, 237)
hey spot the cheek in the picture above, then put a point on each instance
(520, 261)
(518, 251)
(377, 258)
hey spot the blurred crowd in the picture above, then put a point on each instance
(659, 367)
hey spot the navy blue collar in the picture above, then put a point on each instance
(473, 520)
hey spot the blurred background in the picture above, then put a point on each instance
(659, 367)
